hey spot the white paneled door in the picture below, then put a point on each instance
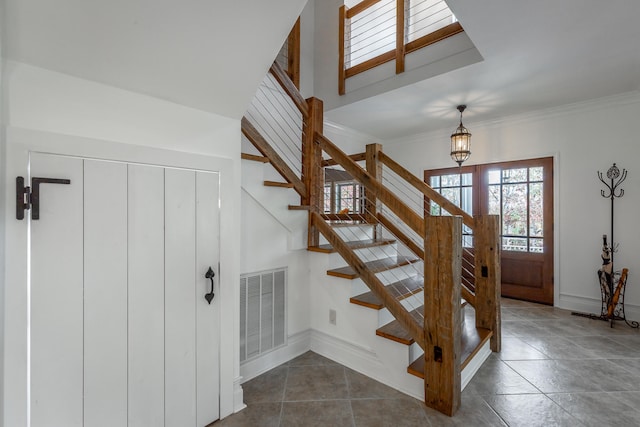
(120, 331)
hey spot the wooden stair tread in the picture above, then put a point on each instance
(472, 339)
(396, 332)
(254, 158)
(375, 266)
(399, 290)
(278, 184)
(355, 244)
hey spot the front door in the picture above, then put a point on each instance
(521, 192)
(120, 331)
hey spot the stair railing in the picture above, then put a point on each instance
(438, 245)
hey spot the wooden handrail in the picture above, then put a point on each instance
(394, 306)
(427, 191)
(342, 22)
(404, 212)
(436, 36)
(283, 78)
(358, 157)
(361, 7)
(263, 146)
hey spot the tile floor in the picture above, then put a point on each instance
(554, 370)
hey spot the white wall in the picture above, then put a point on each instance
(49, 108)
(583, 138)
(3, 160)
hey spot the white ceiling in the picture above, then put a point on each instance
(537, 54)
(212, 54)
(206, 54)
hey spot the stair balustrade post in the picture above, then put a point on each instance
(442, 312)
(374, 167)
(312, 171)
(487, 274)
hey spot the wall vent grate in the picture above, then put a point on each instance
(262, 312)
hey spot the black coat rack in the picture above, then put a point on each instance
(612, 283)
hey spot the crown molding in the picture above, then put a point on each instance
(596, 104)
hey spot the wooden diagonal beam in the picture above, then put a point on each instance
(283, 78)
(263, 146)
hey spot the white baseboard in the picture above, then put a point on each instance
(238, 395)
(475, 364)
(361, 359)
(592, 305)
(297, 344)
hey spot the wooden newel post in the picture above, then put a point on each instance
(442, 314)
(374, 167)
(488, 282)
(312, 172)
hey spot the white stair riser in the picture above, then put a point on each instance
(401, 273)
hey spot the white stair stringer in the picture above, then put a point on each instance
(276, 201)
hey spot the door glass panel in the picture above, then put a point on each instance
(535, 209)
(535, 174)
(494, 177)
(516, 244)
(452, 180)
(460, 195)
(514, 175)
(494, 199)
(453, 195)
(514, 210)
(536, 245)
(516, 194)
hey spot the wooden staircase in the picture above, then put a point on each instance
(415, 285)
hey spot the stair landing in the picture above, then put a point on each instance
(473, 339)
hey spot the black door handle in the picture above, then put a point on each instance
(210, 274)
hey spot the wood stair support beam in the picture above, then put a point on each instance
(429, 192)
(442, 314)
(299, 207)
(388, 198)
(287, 84)
(263, 146)
(355, 244)
(375, 266)
(358, 157)
(278, 184)
(399, 290)
(488, 279)
(395, 307)
(254, 158)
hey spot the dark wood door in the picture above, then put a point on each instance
(521, 192)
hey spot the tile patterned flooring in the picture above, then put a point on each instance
(554, 370)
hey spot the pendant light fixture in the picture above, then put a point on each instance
(460, 141)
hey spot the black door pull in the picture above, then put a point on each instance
(210, 274)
